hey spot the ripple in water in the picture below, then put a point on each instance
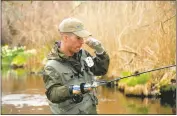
(21, 100)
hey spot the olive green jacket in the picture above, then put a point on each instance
(62, 71)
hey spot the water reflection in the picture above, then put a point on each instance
(111, 101)
(25, 95)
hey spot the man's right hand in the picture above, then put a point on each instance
(77, 90)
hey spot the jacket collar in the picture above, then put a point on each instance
(56, 54)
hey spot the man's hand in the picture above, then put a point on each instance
(75, 92)
(95, 44)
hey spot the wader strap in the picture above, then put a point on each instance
(92, 94)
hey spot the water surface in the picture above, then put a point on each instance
(25, 95)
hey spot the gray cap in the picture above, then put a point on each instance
(75, 26)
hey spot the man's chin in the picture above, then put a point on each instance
(77, 50)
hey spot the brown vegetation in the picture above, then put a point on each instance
(138, 35)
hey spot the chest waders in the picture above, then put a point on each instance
(70, 76)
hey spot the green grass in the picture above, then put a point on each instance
(16, 55)
(8, 54)
(134, 80)
(21, 58)
(125, 73)
(167, 88)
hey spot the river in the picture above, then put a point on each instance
(25, 95)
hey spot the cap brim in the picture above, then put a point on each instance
(83, 33)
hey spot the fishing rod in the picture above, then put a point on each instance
(100, 83)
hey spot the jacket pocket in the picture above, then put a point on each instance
(69, 107)
(67, 76)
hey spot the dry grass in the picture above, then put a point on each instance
(138, 35)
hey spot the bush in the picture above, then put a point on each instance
(14, 56)
(9, 53)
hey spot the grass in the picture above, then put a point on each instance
(135, 80)
(167, 88)
(8, 54)
(13, 57)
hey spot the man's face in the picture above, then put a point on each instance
(74, 43)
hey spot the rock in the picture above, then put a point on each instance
(173, 81)
(168, 94)
(168, 91)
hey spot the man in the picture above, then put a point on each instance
(70, 70)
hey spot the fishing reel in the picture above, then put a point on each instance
(77, 91)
